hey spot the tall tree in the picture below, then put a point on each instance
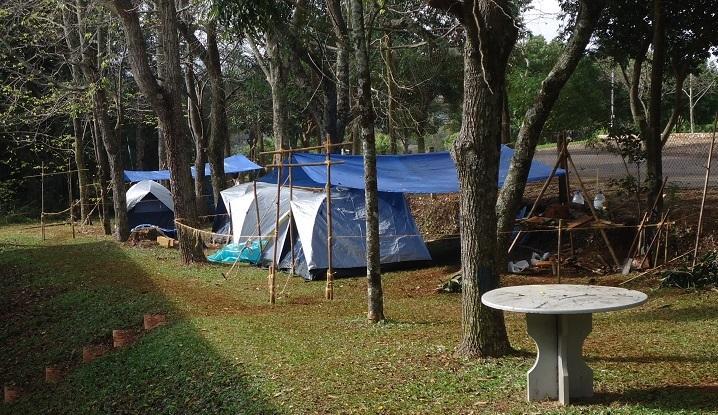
(166, 102)
(538, 114)
(491, 32)
(375, 292)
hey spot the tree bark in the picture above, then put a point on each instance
(166, 103)
(490, 36)
(654, 142)
(375, 293)
(194, 116)
(341, 33)
(536, 117)
(103, 176)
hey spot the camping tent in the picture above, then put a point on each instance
(305, 214)
(150, 203)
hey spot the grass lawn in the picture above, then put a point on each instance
(227, 351)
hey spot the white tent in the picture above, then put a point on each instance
(400, 238)
(149, 203)
(139, 190)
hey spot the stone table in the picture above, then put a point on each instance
(558, 318)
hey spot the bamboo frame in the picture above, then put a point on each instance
(705, 189)
(541, 193)
(644, 221)
(593, 211)
(319, 147)
(656, 237)
(329, 290)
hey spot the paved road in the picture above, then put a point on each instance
(684, 160)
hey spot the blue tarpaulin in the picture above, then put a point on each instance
(410, 173)
(233, 164)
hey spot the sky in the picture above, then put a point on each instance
(543, 18)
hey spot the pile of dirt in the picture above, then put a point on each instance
(435, 215)
(144, 237)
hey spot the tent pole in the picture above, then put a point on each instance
(329, 291)
(69, 192)
(558, 251)
(273, 271)
(42, 200)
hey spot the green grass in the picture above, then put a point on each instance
(226, 351)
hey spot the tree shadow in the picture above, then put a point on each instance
(684, 314)
(700, 398)
(652, 359)
(55, 299)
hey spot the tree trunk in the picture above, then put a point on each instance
(79, 149)
(278, 85)
(194, 115)
(391, 94)
(536, 117)
(375, 293)
(140, 147)
(506, 120)
(103, 176)
(477, 153)
(219, 138)
(166, 101)
(341, 32)
(654, 160)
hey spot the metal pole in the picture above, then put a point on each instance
(705, 189)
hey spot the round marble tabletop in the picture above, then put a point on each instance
(562, 299)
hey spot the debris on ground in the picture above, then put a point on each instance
(703, 275)
(453, 285)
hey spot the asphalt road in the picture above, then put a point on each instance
(684, 160)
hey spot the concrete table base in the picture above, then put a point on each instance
(560, 371)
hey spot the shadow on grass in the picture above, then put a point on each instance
(698, 398)
(652, 359)
(58, 298)
(684, 314)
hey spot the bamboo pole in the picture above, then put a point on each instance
(656, 237)
(69, 192)
(256, 209)
(275, 253)
(558, 252)
(665, 245)
(319, 147)
(329, 291)
(540, 195)
(42, 200)
(593, 211)
(316, 164)
(705, 189)
(291, 227)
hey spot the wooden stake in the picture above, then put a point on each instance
(705, 189)
(655, 238)
(273, 271)
(329, 290)
(291, 230)
(558, 252)
(593, 212)
(42, 199)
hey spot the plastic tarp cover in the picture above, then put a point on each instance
(232, 164)
(138, 191)
(248, 253)
(409, 173)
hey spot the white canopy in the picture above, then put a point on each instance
(139, 190)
